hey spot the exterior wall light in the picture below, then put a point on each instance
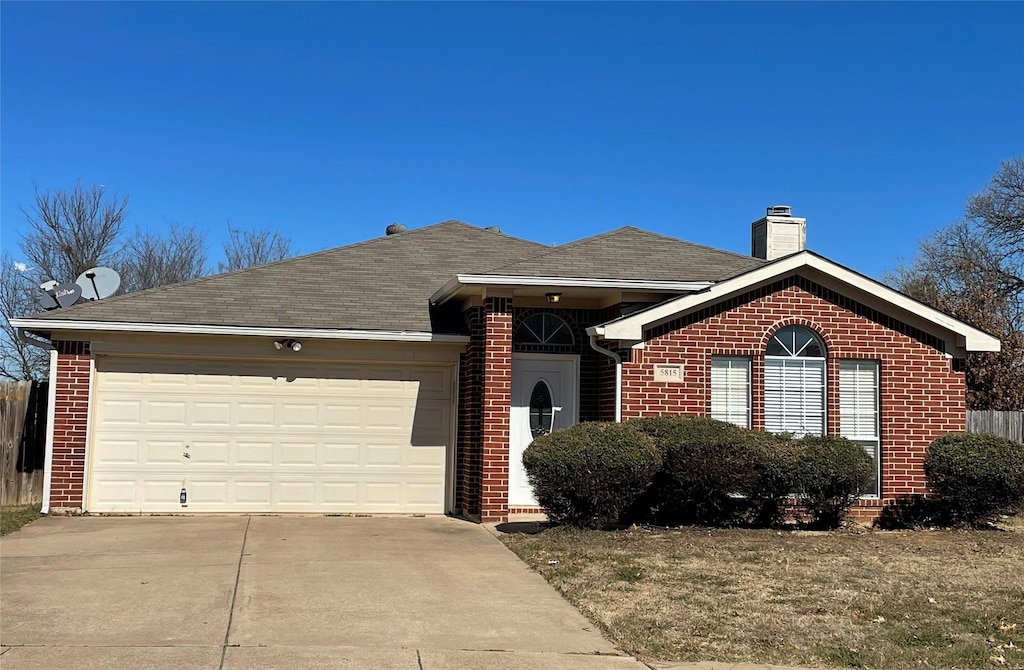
(294, 345)
(553, 297)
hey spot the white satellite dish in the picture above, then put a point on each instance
(99, 283)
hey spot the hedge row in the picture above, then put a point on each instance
(681, 470)
(691, 470)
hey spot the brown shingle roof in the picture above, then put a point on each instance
(632, 253)
(380, 284)
(385, 283)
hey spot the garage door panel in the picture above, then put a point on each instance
(265, 437)
(341, 454)
(167, 413)
(255, 414)
(252, 453)
(117, 411)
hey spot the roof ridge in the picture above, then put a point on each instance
(292, 259)
(563, 247)
(695, 244)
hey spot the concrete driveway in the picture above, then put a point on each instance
(383, 593)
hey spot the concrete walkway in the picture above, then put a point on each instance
(382, 593)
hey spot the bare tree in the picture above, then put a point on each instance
(152, 259)
(72, 230)
(258, 246)
(974, 270)
(17, 298)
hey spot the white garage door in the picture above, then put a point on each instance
(267, 437)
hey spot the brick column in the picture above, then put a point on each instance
(70, 415)
(497, 400)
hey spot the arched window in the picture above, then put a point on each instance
(794, 382)
(543, 328)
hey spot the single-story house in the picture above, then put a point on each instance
(407, 373)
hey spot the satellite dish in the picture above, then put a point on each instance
(99, 283)
(48, 286)
(67, 294)
(46, 301)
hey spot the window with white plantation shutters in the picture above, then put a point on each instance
(858, 409)
(794, 382)
(730, 389)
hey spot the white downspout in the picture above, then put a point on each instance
(618, 374)
(51, 406)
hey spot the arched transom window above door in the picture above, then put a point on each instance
(543, 328)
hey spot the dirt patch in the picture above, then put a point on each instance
(852, 598)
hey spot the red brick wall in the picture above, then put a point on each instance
(921, 396)
(497, 398)
(469, 450)
(70, 415)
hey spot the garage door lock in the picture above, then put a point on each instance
(183, 497)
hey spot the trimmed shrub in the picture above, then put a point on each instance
(773, 459)
(588, 474)
(831, 473)
(976, 477)
(705, 464)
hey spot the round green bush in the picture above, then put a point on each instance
(706, 467)
(831, 473)
(976, 477)
(588, 474)
(773, 459)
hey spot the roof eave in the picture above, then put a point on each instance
(631, 328)
(454, 286)
(40, 326)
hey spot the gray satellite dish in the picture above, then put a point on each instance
(99, 283)
(46, 301)
(67, 294)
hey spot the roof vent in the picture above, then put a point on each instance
(493, 229)
(779, 210)
(394, 229)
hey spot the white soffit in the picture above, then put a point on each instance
(452, 287)
(821, 270)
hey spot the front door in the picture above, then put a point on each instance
(544, 398)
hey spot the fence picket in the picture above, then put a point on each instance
(1004, 424)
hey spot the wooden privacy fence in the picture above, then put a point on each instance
(22, 441)
(1004, 424)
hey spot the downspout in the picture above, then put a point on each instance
(51, 406)
(618, 372)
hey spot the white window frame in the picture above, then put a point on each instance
(733, 363)
(796, 358)
(847, 365)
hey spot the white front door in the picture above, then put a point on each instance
(544, 398)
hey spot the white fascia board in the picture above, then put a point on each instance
(452, 286)
(192, 329)
(631, 328)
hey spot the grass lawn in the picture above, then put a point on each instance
(15, 516)
(851, 598)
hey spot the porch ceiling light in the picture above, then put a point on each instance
(553, 297)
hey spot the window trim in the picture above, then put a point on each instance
(877, 495)
(746, 360)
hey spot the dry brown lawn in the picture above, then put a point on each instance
(851, 598)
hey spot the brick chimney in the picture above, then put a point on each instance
(778, 234)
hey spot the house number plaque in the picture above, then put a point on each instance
(668, 373)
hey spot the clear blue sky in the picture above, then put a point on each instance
(553, 121)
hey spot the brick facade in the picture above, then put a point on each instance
(922, 397)
(70, 418)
